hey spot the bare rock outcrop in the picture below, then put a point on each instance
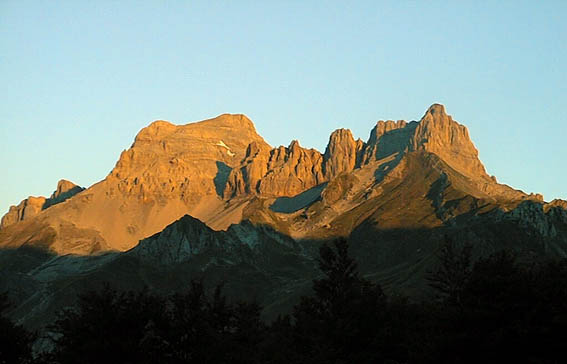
(169, 171)
(26, 209)
(386, 139)
(214, 170)
(558, 203)
(289, 171)
(342, 153)
(65, 190)
(292, 170)
(530, 214)
(438, 133)
(64, 187)
(557, 209)
(246, 178)
(32, 206)
(188, 160)
(278, 172)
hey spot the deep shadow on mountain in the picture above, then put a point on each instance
(53, 200)
(255, 262)
(223, 171)
(496, 308)
(293, 204)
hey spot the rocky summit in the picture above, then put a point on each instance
(213, 199)
(32, 206)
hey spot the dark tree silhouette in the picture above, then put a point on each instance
(108, 326)
(453, 273)
(15, 341)
(495, 310)
(211, 330)
(340, 321)
(508, 312)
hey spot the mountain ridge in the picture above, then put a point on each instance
(215, 168)
(213, 200)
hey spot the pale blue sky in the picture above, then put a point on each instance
(80, 79)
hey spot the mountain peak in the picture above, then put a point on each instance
(181, 148)
(234, 121)
(32, 206)
(200, 168)
(64, 186)
(439, 134)
(337, 138)
(341, 154)
(436, 109)
(294, 145)
(160, 123)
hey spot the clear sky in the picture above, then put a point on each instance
(79, 79)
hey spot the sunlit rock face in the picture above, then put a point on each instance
(186, 161)
(290, 171)
(420, 173)
(169, 171)
(438, 133)
(26, 209)
(342, 153)
(212, 199)
(32, 206)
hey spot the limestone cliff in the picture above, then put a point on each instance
(221, 172)
(65, 190)
(278, 172)
(290, 171)
(439, 134)
(254, 213)
(186, 161)
(32, 206)
(26, 209)
(169, 171)
(342, 153)
(387, 138)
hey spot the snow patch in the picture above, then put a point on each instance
(228, 151)
(221, 144)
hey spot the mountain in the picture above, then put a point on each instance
(169, 171)
(212, 199)
(32, 206)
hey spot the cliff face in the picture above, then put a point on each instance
(342, 153)
(387, 138)
(169, 171)
(278, 172)
(286, 172)
(26, 209)
(439, 134)
(222, 172)
(187, 161)
(32, 206)
(290, 171)
(213, 198)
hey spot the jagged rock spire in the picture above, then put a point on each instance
(438, 133)
(341, 154)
